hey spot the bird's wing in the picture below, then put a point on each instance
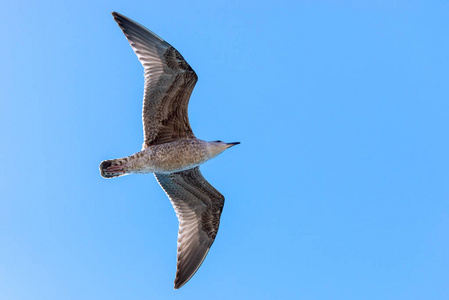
(169, 82)
(198, 206)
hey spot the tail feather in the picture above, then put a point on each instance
(113, 168)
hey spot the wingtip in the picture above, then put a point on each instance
(178, 285)
(180, 282)
(116, 16)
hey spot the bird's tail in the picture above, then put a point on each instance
(113, 167)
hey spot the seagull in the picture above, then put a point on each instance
(170, 149)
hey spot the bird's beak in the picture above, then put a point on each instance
(232, 144)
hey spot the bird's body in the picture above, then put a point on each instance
(164, 158)
(170, 149)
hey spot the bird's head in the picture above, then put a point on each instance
(216, 147)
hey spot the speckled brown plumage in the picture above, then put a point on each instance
(198, 206)
(170, 149)
(169, 82)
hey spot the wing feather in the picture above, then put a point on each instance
(198, 206)
(169, 82)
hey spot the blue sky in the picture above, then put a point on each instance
(339, 190)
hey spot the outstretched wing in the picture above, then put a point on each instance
(198, 206)
(169, 82)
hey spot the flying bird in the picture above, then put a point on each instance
(170, 149)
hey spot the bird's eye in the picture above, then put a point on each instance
(218, 141)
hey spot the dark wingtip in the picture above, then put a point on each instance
(179, 284)
(178, 281)
(118, 17)
(176, 284)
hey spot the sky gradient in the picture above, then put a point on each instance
(338, 190)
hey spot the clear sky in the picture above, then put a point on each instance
(339, 189)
